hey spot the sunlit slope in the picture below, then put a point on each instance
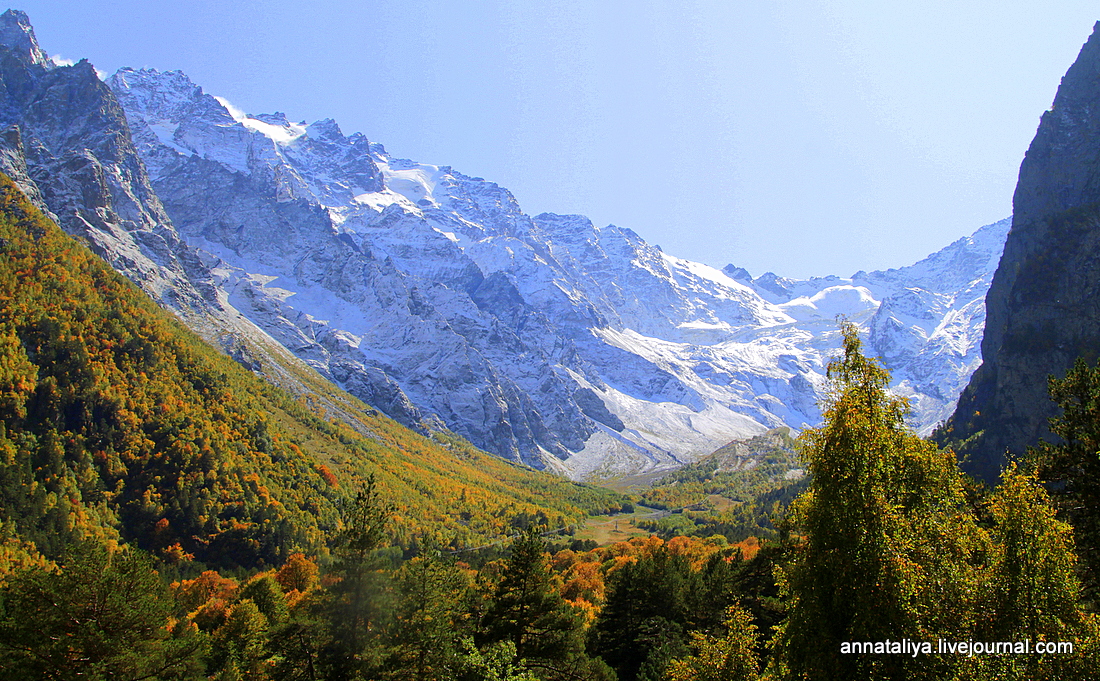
(117, 420)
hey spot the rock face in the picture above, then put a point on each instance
(67, 143)
(65, 140)
(433, 297)
(544, 339)
(1044, 302)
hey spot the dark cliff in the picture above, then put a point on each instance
(1043, 308)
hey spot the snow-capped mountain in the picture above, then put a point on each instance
(433, 297)
(547, 339)
(924, 321)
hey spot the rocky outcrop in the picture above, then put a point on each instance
(67, 144)
(1043, 307)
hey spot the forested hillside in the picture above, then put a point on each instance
(117, 422)
(891, 566)
(166, 514)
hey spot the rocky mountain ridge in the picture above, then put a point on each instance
(430, 295)
(1044, 307)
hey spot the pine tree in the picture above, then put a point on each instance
(528, 610)
(103, 615)
(355, 608)
(427, 620)
(641, 626)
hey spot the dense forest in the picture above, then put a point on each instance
(164, 514)
(117, 422)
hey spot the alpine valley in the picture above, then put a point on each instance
(431, 296)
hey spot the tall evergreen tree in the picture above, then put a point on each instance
(528, 610)
(355, 608)
(648, 608)
(427, 626)
(103, 615)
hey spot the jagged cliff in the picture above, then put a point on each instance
(1043, 307)
(66, 143)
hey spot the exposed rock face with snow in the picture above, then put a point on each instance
(430, 294)
(66, 143)
(433, 297)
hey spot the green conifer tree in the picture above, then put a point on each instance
(356, 607)
(528, 610)
(427, 620)
(103, 615)
(649, 606)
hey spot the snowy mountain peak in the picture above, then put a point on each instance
(434, 297)
(325, 129)
(167, 95)
(173, 119)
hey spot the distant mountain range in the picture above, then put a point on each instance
(431, 296)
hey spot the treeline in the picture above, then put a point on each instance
(623, 611)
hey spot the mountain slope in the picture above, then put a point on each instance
(115, 419)
(543, 339)
(66, 141)
(430, 295)
(1043, 303)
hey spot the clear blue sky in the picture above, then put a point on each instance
(805, 138)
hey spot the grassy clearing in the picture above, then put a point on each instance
(607, 529)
